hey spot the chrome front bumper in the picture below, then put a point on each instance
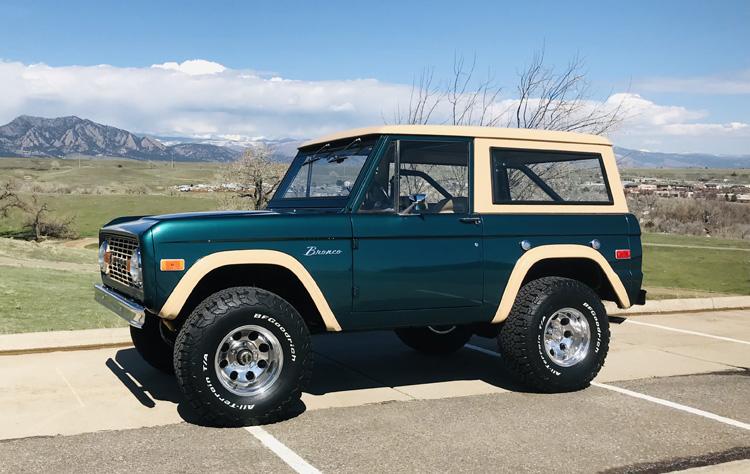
(128, 310)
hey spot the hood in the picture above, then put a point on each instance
(207, 215)
(137, 225)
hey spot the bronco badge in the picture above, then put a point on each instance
(312, 250)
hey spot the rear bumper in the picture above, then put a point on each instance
(125, 308)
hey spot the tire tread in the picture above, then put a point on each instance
(195, 329)
(513, 337)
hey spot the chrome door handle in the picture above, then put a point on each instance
(471, 220)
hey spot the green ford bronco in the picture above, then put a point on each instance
(439, 233)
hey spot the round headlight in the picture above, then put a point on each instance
(136, 271)
(104, 257)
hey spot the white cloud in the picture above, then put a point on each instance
(201, 98)
(193, 67)
(195, 98)
(676, 128)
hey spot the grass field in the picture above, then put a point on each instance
(48, 286)
(90, 212)
(94, 191)
(672, 239)
(705, 270)
(107, 175)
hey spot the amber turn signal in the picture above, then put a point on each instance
(172, 264)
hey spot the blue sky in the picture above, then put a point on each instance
(691, 55)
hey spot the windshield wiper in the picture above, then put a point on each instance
(339, 159)
(312, 158)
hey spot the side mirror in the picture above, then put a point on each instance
(418, 203)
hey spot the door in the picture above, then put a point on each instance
(416, 244)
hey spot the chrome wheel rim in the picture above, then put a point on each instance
(249, 360)
(441, 329)
(567, 337)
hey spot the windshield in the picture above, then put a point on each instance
(326, 171)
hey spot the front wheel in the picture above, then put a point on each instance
(556, 336)
(243, 357)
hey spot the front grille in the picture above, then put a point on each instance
(121, 249)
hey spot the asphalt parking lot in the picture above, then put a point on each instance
(673, 395)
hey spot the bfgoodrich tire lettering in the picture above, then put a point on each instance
(198, 345)
(522, 337)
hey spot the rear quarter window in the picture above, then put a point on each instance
(548, 177)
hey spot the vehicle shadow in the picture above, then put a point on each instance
(379, 359)
(343, 362)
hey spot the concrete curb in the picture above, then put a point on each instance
(53, 341)
(88, 339)
(685, 305)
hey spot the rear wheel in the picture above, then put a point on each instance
(243, 357)
(435, 339)
(150, 344)
(556, 336)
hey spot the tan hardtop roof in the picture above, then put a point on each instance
(465, 131)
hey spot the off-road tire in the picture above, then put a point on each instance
(521, 337)
(151, 346)
(431, 341)
(200, 337)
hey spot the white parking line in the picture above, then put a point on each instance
(660, 401)
(685, 331)
(676, 406)
(75, 394)
(282, 451)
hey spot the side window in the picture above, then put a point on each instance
(439, 170)
(548, 177)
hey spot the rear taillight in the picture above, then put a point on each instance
(622, 254)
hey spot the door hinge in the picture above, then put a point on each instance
(355, 291)
(355, 244)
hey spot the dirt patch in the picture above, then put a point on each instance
(81, 243)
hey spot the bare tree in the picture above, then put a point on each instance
(9, 199)
(256, 175)
(546, 98)
(36, 219)
(470, 103)
(560, 100)
(40, 224)
(424, 98)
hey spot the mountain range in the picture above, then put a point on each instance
(71, 136)
(61, 137)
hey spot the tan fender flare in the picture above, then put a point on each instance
(205, 265)
(545, 252)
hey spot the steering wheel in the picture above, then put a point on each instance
(378, 197)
